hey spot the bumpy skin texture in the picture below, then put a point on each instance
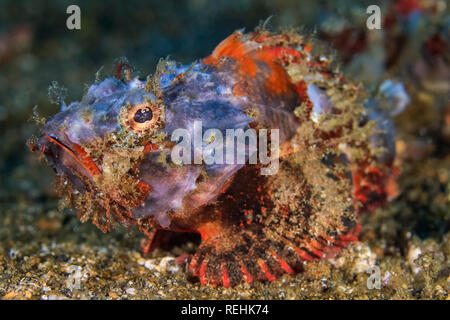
(111, 154)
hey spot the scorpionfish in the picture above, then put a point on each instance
(111, 152)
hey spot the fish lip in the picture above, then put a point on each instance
(55, 156)
(52, 138)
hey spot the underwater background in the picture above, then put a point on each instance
(46, 253)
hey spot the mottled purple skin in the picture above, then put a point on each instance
(204, 94)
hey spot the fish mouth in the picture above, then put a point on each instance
(68, 159)
(81, 175)
(103, 203)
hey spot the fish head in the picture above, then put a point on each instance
(99, 145)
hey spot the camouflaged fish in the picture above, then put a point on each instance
(111, 152)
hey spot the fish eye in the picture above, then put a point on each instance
(142, 116)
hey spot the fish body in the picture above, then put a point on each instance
(113, 155)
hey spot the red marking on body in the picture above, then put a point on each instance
(317, 252)
(246, 275)
(316, 247)
(301, 253)
(369, 180)
(358, 191)
(391, 187)
(149, 147)
(374, 170)
(330, 240)
(144, 187)
(301, 88)
(32, 146)
(233, 47)
(209, 230)
(89, 164)
(146, 245)
(284, 265)
(266, 271)
(278, 81)
(282, 52)
(284, 210)
(351, 236)
(225, 278)
(246, 54)
(119, 67)
(348, 238)
(41, 152)
(202, 273)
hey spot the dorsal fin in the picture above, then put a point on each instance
(260, 54)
